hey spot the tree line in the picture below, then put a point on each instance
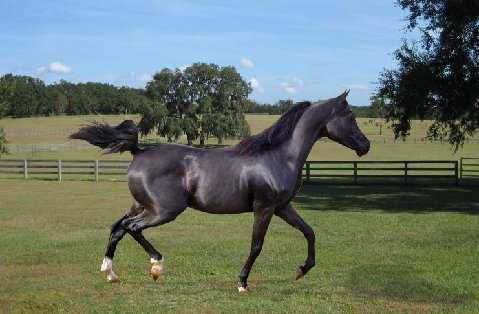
(437, 78)
(25, 96)
(201, 101)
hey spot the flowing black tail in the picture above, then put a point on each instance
(121, 138)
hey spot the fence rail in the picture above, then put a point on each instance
(469, 167)
(353, 170)
(47, 168)
(404, 169)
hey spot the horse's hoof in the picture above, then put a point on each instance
(156, 269)
(299, 273)
(112, 278)
(106, 267)
(244, 290)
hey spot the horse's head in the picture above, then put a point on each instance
(343, 129)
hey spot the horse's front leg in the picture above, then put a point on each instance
(289, 215)
(262, 218)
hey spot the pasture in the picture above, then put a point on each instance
(379, 249)
(55, 130)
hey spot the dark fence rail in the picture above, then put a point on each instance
(355, 171)
(404, 170)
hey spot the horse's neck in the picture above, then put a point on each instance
(306, 133)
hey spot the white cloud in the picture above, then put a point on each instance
(360, 87)
(246, 63)
(42, 70)
(145, 77)
(57, 67)
(288, 88)
(54, 67)
(298, 82)
(256, 85)
(140, 76)
(292, 86)
(183, 68)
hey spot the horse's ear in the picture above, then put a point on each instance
(343, 96)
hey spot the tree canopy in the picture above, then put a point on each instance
(201, 101)
(4, 90)
(28, 96)
(438, 74)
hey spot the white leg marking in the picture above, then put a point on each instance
(157, 268)
(242, 289)
(107, 268)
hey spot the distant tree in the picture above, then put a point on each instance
(4, 92)
(3, 142)
(438, 75)
(30, 97)
(283, 105)
(203, 100)
(27, 96)
(378, 108)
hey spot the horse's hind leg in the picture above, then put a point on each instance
(289, 215)
(146, 219)
(116, 234)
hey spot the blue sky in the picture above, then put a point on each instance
(303, 49)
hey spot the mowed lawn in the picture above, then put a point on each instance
(379, 249)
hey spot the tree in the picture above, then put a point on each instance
(202, 100)
(438, 75)
(29, 96)
(378, 110)
(4, 92)
(3, 142)
(283, 105)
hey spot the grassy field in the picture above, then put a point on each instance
(55, 130)
(379, 249)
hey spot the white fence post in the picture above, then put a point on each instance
(59, 170)
(96, 170)
(25, 169)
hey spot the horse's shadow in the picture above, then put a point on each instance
(411, 199)
(402, 283)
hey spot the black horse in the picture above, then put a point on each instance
(261, 174)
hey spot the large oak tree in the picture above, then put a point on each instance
(201, 101)
(438, 74)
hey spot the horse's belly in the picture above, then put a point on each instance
(221, 201)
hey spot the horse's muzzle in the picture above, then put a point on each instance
(363, 147)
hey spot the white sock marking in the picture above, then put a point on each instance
(107, 268)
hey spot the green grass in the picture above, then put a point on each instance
(379, 249)
(55, 130)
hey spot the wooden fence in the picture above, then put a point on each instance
(402, 170)
(78, 169)
(355, 171)
(469, 167)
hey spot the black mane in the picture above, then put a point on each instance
(273, 136)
